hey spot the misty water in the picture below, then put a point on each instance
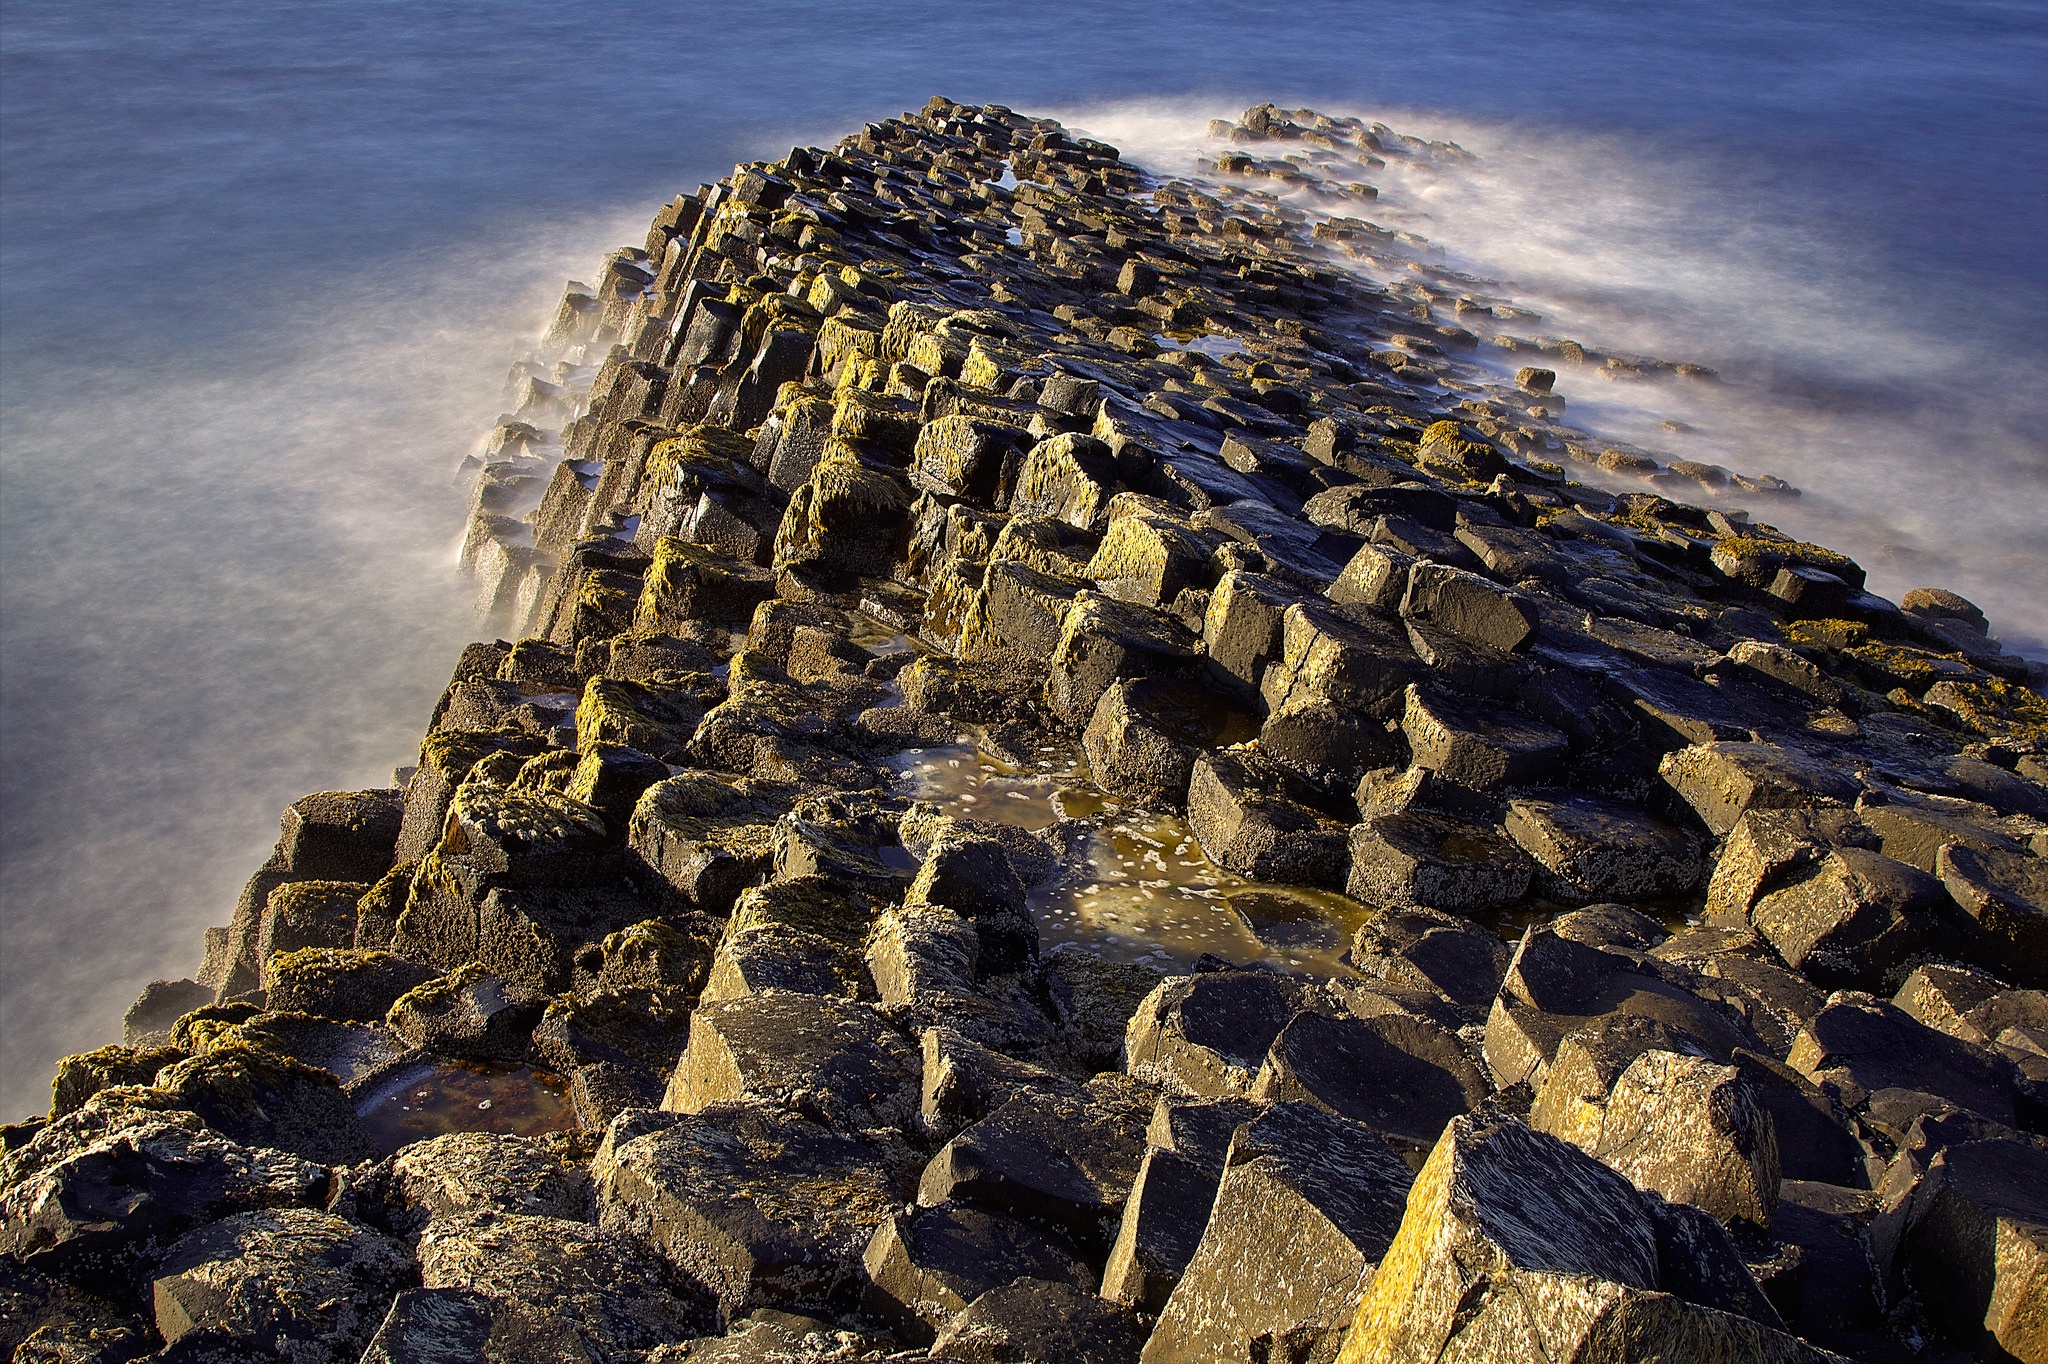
(263, 267)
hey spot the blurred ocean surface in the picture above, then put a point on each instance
(263, 266)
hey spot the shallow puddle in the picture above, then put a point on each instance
(1130, 885)
(1137, 887)
(436, 1097)
(970, 782)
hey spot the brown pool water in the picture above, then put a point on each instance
(1129, 884)
(448, 1096)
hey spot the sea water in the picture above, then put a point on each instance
(263, 267)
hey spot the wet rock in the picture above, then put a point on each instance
(1208, 1034)
(1292, 551)
(1767, 846)
(1860, 1046)
(1588, 849)
(377, 913)
(1329, 745)
(835, 1061)
(295, 1283)
(1587, 1064)
(1068, 477)
(758, 1205)
(1468, 606)
(1723, 780)
(655, 719)
(1834, 1302)
(709, 837)
(1851, 920)
(530, 935)
(2007, 894)
(1019, 613)
(1481, 747)
(458, 1173)
(1141, 740)
(469, 1014)
(1187, 1143)
(161, 1004)
(1148, 556)
(927, 1265)
(1092, 1003)
(1306, 1208)
(918, 952)
(1046, 544)
(1242, 627)
(610, 779)
(431, 1326)
(766, 1336)
(1066, 1159)
(1427, 949)
(1516, 1245)
(305, 914)
(341, 835)
(555, 1289)
(1403, 1077)
(1246, 815)
(1969, 1004)
(86, 1074)
(262, 1099)
(964, 1081)
(849, 518)
(1346, 655)
(601, 1090)
(86, 1207)
(1103, 641)
(804, 934)
(1034, 1319)
(1973, 1249)
(962, 457)
(975, 879)
(335, 983)
(689, 582)
(1686, 1128)
(1913, 828)
(1701, 1262)
(445, 761)
(525, 838)
(1435, 861)
(1555, 986)
(1376, 576)
(1813, 1142)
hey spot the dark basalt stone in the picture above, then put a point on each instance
(756, 1204)
(1067, 1159)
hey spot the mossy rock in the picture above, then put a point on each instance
(199, 1030)
(86, 1074)
(1883, 666)
(656, 721)
(2005, 712)
(259, 1098)
(1826, 634)
(452, 755)
(1754, 560)
(353, 986)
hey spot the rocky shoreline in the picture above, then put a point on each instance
(1631, 932)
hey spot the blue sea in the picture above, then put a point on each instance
(263, 267)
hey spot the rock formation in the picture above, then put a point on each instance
(1697, 1008)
